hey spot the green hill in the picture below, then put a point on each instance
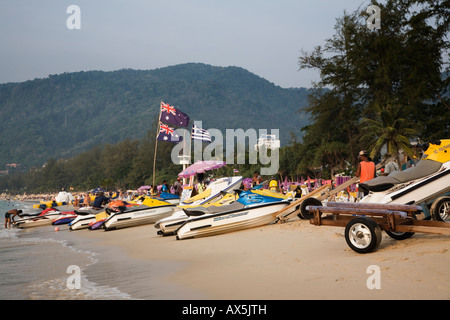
(63, 115)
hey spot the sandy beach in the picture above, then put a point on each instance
(288, 261)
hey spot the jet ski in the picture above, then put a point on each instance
(212, 193)
(46, 217)
(250, 210)
(172, 223)
(85, 216)
(150, 211)
(169, 197)
(65, 219)
(429, 179)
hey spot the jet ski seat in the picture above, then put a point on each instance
(236, 205)
(422, 169)
(198, 211)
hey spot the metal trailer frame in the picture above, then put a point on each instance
(363, 222)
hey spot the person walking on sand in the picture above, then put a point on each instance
(9, 217)
(366, 170)
(177, 186)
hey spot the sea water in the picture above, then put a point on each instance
(34, 264)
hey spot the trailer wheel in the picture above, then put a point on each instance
(401, 235)
(440, 209)
(363, 235)
(305, 214)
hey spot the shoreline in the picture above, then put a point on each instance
(138, 278)
(289, 261)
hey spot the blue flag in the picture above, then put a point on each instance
(173, 116)
(168, 134)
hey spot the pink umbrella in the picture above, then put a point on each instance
(200, 167)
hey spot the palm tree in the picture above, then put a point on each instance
(391, 129)
(331, 154)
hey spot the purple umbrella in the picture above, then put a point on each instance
(200, 167)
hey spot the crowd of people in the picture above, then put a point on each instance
(366, 170)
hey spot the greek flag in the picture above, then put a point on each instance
(200, 134)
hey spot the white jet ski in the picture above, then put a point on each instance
(429, 179)
(167, 226)
(250, 210)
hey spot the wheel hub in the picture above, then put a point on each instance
(360, 236)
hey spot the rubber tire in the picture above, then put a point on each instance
(435, 206)
(305, 214)
(401, 235)
(373, 229)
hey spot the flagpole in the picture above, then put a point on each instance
(184, 157)
(190, 144)
(156, 144)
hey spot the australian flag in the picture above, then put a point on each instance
(173, 116)
(168, 134)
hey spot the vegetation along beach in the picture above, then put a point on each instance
(194, 178)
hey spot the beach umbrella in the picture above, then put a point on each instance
(144, 188)
(97, 190)
(200, 167)
(247, 182)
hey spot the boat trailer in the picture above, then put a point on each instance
(363, 222)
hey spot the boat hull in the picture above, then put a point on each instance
(169, 225)
(85, 216)
(37, 221)
(64, 220)
(81, 222)
(231, 221)
(137, 217)
(96, 224)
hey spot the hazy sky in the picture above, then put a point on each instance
(262, 36)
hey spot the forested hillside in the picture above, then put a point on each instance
(379, 90)
(63, 115)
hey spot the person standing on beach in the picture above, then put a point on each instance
(76, 202)
(256, 179)
(165, 187)
(178, 187)
(391, 166)
(9, 217)
(86, 200)
(366, 170)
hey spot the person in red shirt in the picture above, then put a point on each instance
(366, 170)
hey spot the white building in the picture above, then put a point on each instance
(269, 141)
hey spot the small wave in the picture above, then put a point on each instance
(12, 233)
(57, 289)
(19, 241)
